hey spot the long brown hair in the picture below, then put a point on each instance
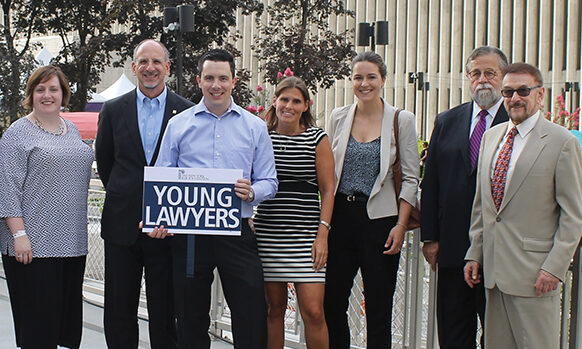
(306, 119)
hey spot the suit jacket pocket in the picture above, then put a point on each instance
(536, 245)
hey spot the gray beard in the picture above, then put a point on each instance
(485, 97)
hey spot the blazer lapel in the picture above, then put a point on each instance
(526, 160)
(132, 124)
(169, 112)
(463, 133)
(343, 138)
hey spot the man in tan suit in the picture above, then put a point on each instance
(527, 217)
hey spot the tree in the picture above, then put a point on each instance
(85, 30)
(213, 22)
(297, 36)
(18, 26)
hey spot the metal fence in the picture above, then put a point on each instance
(413, 324)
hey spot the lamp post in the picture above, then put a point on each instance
(377, 31)
(180, 20)
(423, 86)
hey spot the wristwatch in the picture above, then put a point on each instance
(251, 196)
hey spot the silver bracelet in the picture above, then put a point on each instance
(325, 224)
(19, 233)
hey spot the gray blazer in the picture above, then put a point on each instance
(539, 222)
(382, 201)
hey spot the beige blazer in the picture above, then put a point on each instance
(539, 222)
(382, 201)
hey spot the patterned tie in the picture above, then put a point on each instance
(501, 166)
(475, 140)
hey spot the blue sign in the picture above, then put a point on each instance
(191, 201)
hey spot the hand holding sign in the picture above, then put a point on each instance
(157, 232)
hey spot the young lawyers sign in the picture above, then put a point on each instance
(191, 200)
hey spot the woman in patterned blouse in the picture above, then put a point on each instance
(44, 180)
(369, 221)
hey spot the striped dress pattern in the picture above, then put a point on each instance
(286, 225)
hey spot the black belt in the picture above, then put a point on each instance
(358, 197)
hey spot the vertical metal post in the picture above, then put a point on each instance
(576, 306)
(415, 305)
(431, 314)
(179, 59)
(373, 36)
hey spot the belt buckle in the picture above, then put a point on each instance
(351, 198)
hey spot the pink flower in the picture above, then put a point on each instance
(261, 109)
(560, 98)
(279, 75)
(311, 102)
(288, 72)
(252, 109)
(259, 88)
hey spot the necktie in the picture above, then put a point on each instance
(501, 166)
(475, 140)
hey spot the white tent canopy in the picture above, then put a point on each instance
(118, 88)
(43, 57)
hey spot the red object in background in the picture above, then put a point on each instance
(86, 122)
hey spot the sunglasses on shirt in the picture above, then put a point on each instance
(522, 91)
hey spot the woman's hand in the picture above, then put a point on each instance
(319, 252)
(23, 249)
(395, 239)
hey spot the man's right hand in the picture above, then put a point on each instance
(472, 276)
(430, 250)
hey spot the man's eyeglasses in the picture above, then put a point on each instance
(476, 74)
(522, 91)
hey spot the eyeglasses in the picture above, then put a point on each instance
(522, 91)
(476, 74)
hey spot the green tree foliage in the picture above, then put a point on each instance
(297, 35)
(213, 22)
(18, 25)
(85, 29)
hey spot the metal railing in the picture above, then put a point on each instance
(413, 319)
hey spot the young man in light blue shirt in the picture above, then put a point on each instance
(217, 133)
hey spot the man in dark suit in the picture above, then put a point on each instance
(448, 190)
(129, 135)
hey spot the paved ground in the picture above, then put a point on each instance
(93, 337)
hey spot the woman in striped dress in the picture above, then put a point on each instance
(291, 229)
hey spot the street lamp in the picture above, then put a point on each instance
(421, 85)
(180, 20)
(377, 31)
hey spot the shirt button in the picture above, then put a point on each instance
(217, 136)
(149, 133)
(498, 219)
(217, 154)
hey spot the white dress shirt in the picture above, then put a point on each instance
(523, 131)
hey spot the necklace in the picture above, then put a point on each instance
(59, 132)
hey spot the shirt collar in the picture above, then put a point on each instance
(492, 110)
(525, 127)
(161, 97)
(201, 108)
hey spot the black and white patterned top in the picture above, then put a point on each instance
(45, 179)
(361, 167)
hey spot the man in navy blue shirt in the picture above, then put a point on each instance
(217, 133)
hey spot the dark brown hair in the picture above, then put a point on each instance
(524, 68)
(44, 74)
(307, 118)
